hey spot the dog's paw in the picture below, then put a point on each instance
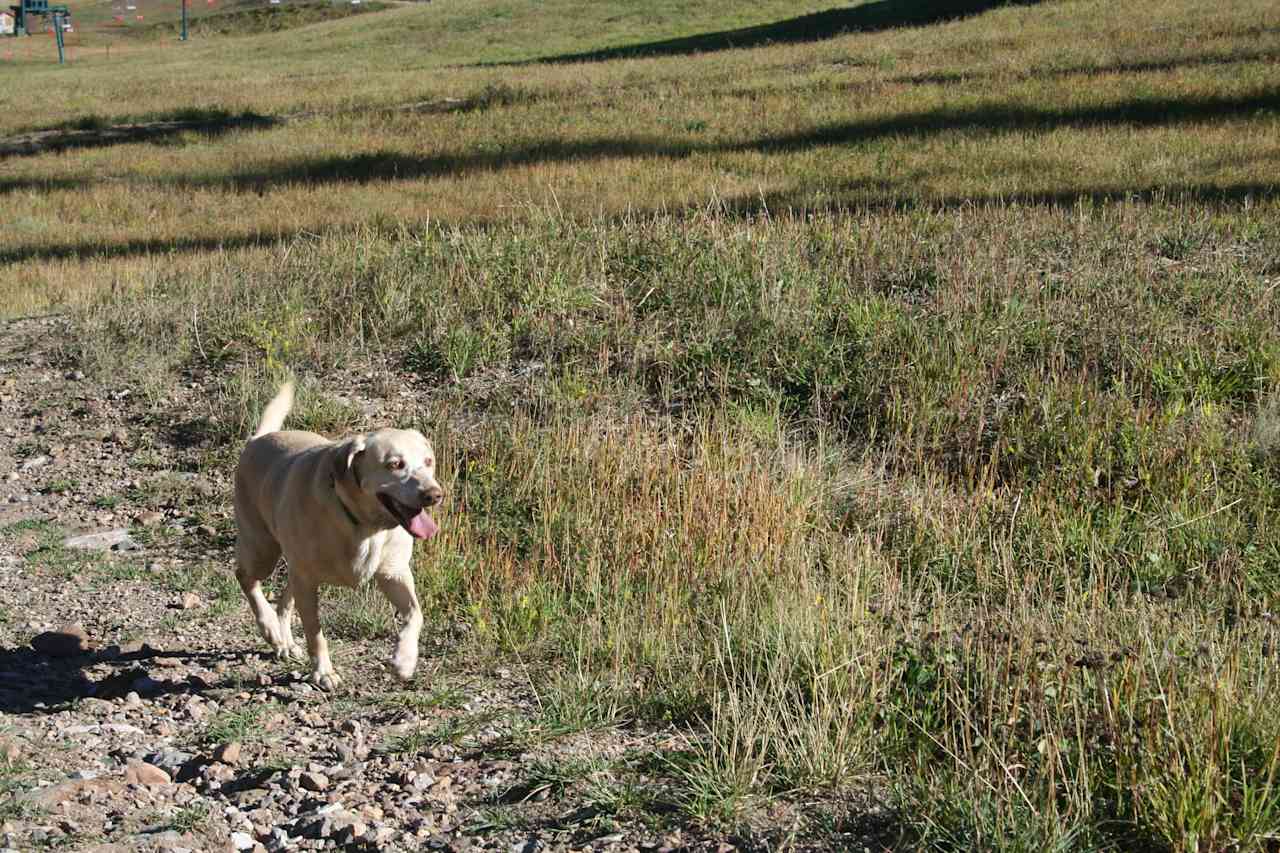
(290, 652)
(326, 680)
(404, 664)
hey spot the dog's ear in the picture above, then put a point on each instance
(344, 456)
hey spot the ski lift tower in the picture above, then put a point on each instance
(27, 8)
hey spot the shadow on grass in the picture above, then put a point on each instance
(1149, 66)
(1138, 113)
(858, 197)
(982, 119)
(990, 119)
(40, 185)
(986, 119)
(868, 17)
(92, 250)
(94, 132)
(799, 199)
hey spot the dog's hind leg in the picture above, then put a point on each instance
(308, 599)
(284, 619)
(254, 563)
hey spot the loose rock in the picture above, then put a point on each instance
(141, 773)
(70, 641)
(228, 753)
(104, 540)
(313, 781)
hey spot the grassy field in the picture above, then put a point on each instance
(899, 409)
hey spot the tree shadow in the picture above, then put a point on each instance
(818, 26)
(861, 196)
(36, 682)
(41, 185)
(1148, 66)
(396, 166)
(995, 118)
(990, 119)
(85, 250)
(94, 132)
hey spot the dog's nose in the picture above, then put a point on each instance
(431, 496)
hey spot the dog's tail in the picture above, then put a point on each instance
(276, 411)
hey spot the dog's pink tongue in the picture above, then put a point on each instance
(422, 526)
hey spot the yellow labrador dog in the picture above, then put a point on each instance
(340, 513)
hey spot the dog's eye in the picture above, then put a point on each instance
(395, 464)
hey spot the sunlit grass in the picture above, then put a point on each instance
(891, 412)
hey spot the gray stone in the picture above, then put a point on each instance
(171, 760)
(117, 539)
(330, 822)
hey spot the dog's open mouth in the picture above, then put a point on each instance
(418, 522)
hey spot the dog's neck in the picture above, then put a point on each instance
(342, 503)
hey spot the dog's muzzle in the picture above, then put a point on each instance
(415, 519)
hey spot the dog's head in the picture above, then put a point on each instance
(394, 473)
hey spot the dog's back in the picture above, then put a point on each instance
(265, 459)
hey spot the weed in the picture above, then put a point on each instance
(189, 818)
(451, 731)
(495, 820)
(60, 486)
(241, 724)
(441, 698)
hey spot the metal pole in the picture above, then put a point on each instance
(57, 34)
(184, 20)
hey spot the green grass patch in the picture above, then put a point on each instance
(242, 724)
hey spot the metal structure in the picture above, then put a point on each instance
(41, 8)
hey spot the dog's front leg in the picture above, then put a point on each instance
(307, 598)
(398, 587)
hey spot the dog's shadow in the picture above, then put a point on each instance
(37, 682)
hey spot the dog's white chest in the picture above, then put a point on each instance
(367, 560)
